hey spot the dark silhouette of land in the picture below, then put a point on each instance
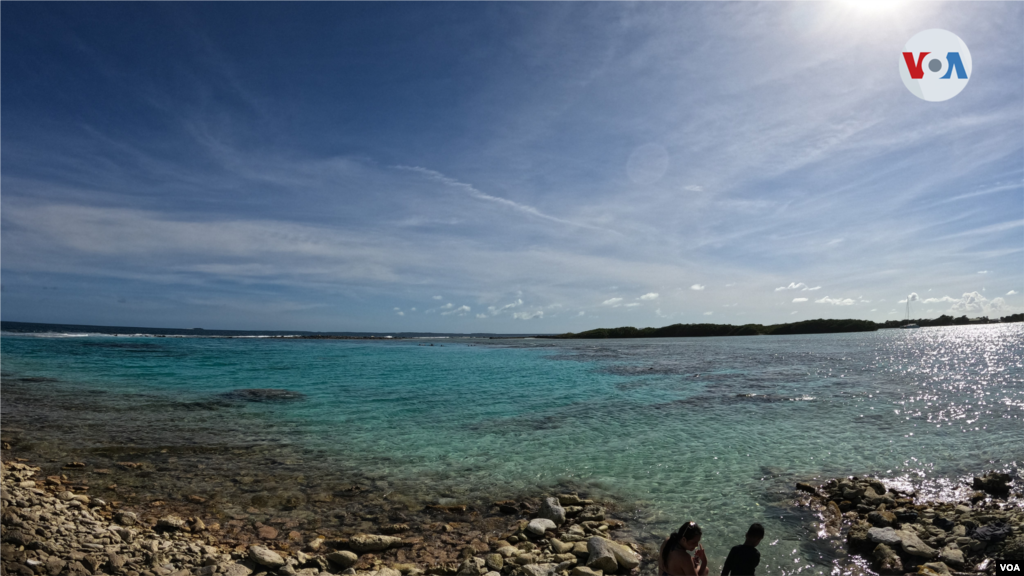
(819, 326)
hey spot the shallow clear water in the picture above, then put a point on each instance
(716, 430)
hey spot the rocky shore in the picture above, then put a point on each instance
(896, 534)
(49, 528)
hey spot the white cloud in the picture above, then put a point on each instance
(437, 297)
(461, 311)
(1011, 292)
(412, 309)
(447, 306)
(935, 300)
(494, 310)
(982, 271)
(708, 313)
(799, 299)
(792, 286)
(693, 188)
(815, 288)
(835, 301)
(649, 296)
(481, 315)
(697, 287)
(528, 315)
(582, 313)
(611, 301)
(632, 304)
(733, 305)
(730, 285)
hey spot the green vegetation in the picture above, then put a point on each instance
(819, 326)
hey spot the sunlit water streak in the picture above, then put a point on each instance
(716, 430)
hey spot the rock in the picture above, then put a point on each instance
(126, 518)
(66, 495)
(886, 536)
(394, 528)
(233, 569)
(343, 558)
(934, 569)
(569, 499)
(887, 561)
(266, 557)
(552, 510)
(508, 551)
(560, 547)
(315, 544)
(385, 571)
(882, 519)
(267, 532)
(538, 569)
(952, 556)
(18, 537)
(995, 483)
(580, 549)
(805, 487)
(961, 509)
(601, 557)
(494, 562)
(592, 512)
(170, 523)
(914, 546)
(584, 571)
(364, 543)
(625, 557)
(858, 536)
(1013, 550)
(471, 567)
(539, 526)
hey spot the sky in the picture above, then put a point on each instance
(503, 167)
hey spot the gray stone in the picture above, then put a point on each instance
(601, 557)
(233, 569)
(538, 569)
(364, 543)
(934, 569)
(887, 561)
(625, 557)
(592, 512)
(886, 536)
(882, 519)
(265, 556)
(170, 523)
(343, 558)
(560, 547)
(385, 571)
(552, 510)
(915, 546)
(539, 526)
(584, 571)
(494, 562)
(126, 518)
(569, 499)
(952, 556)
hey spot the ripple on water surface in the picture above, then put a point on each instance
(713, 429)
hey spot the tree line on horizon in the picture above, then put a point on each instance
(819, 326)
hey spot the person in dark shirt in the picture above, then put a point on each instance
(743, 559)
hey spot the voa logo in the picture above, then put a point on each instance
(1009, 567)
(935, 65)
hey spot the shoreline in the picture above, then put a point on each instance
(52, 526)
(894, 533)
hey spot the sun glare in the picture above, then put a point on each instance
(874, 6)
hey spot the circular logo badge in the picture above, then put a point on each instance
(935, 65)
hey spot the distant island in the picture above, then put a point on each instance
(819, 326)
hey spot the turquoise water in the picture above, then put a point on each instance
(716, 430)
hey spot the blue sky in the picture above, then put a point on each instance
(493, 167)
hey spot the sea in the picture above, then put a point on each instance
(715, 430)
